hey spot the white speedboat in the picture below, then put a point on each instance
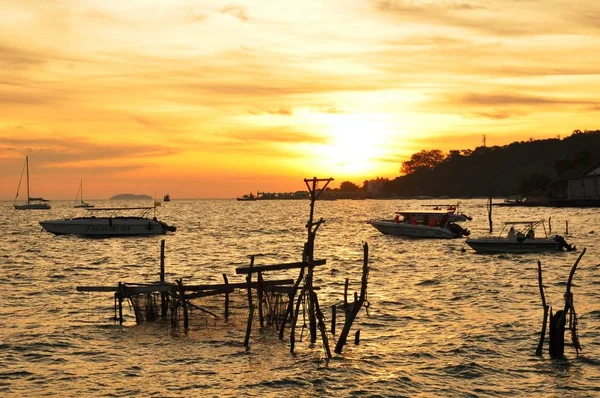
(520, 238)
(397, 228)
(108, 222)
(31, 203)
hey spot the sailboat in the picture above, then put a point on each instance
(32, 203)
(79, 196)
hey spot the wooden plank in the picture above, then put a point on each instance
(237, 285)
(277, 267)
(128, 289)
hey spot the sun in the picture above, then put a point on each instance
(357, 144)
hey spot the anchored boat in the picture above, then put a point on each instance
(32, 203)
(423, 225)
(109, 222)
(520, 238)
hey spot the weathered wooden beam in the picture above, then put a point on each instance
(208, 293)
(167, 287)
(278, 267)
(129, 289)
(240, 285)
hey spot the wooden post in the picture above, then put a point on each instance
(250, 306)
(558, 321)
(321, 324)
(259, 290)
(550, 225)
(351, 313)
(226, 297)
(357, 337)
(162, 260)
(294, 320)
(183, 303)
(489, 206)
(163, 296)
(120, 295)
(566, 227)
(546, 307)
(333, 315)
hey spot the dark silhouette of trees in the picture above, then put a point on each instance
(521, 167)
(424, 159)
(348, 186)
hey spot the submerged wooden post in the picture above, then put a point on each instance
(357, 337)
(546, 307)
(259, 290)
(183, 303)
(351, 313)
(321, 324)
(550, 225)
(558, 321)
(489, 206)
(226, 297)
(120, 294)
(163, 296)
(250, 306)
(567, 227)
(333, 320)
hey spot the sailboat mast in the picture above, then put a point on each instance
(27, 168)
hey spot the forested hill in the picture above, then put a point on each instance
(525, 167)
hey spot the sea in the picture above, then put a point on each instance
(442, 321)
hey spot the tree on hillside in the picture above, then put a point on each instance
(348, 186)
(422, 160)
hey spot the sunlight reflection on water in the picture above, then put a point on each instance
(443, 321)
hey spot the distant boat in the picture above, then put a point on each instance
(79, 196)
(247, 198)
(520, 239)
(108, 222)
(167, 198)
(32, 203)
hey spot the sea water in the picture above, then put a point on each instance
(442, 320)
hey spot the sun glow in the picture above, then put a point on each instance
(357, 144)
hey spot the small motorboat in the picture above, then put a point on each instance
(520, 238)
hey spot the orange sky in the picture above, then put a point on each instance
(217, 99)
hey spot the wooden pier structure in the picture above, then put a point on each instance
(273, 302)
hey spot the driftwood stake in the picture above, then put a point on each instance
(226, 297)
(250, 306)
(351, 313)
(333, 320)
(545, 320)
(558, 320)
(163, 296)
(183, 303)
(489, 207)
(321, 324)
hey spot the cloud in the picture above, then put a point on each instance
(236, 11)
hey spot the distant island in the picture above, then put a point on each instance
(130, 196)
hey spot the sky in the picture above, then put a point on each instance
(215, 99)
